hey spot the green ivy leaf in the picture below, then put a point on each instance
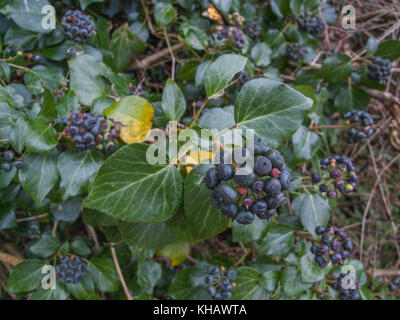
(26, 276)
(45, 247)
(305, 144)
(274, 110)
(313, 211)
(68, 103)
(39, 174)
(310, 271)
(189, 283)
(148, 274)
(164, 13)
(248, 285)
(43, 76)
(278, 241)
(350, 97)
(7, 217)
(220, 72)
(336, 68)
(40, 136)
(59, 293)
(103, 273)
(129, 188)
(173, 101)
(17, 134)
(247, 233)
(292, 283)
(67, 211)
(87, 78)
(83, 290)
(124, 44)
(389, 49)
(27, 14)
(76, 169)
(147, 235)
(48, 111)
(218, 118)
(80, 247)
(261, 54)
(200, 220)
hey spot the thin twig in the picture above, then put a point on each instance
(120, 275)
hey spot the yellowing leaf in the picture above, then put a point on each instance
(176, 252)
(213, 14)
(136, 114)
(196, 157)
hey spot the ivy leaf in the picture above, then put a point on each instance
(39, 174)
(27, 14)
(45, 247)
(67, 211)
(220, 72)
(86, 78)
(7, 217)
(305, 144)
(278, 241)
(310, 271)
(85, 3)
(103, 273)
(40, 136)
(274, 110)
(349, 98)
(80, 247)
(68, 103)
(76, 169)
(189, 283)
(124, 44)
(129, 188)
(136, 114)
(173, 101)
(6, 177)
(147, 235)
(48, 111)
(17, 134)
(43, 76)
(164, 13)
(83, 290)
(26, 276)
(261, 54)
(292, 283)
(148, 274)
(217, 118)
(248, 285)
(336, 68)
(200, 220)
(247, 233)
(389, 49)
(59, 293)
(313, 211)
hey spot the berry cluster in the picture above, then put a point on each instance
(77, 26)
(394, 285)
(219, 284)
(70, 269)
(365, 120)
(232, 34)
(243, 77)
(342, 176)
(312, 24)
(88, 131)
(252, 29)
(9, 156)
(348, 287)
(380, 70)
(335, 245)
(235, 19)
(265, 183)
(294, 51)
